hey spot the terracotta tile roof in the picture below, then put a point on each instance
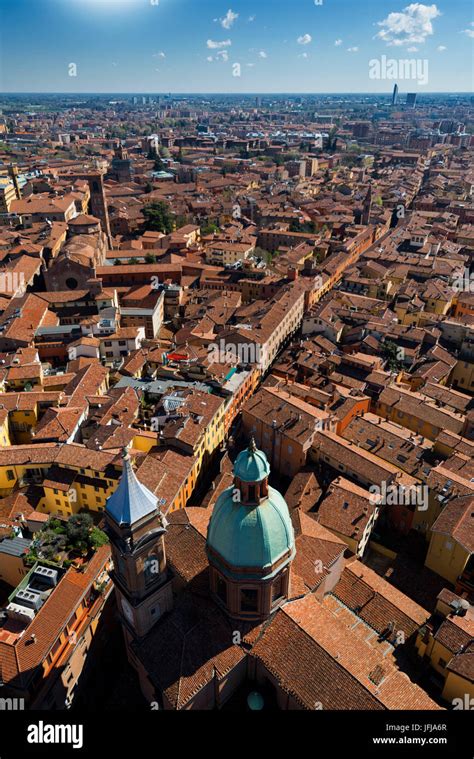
(346, 509)
(376, 601)
(456, 634)
(188, 649)
(457, 520)
(356, 656)
(463, 663)
(305, 671)
(303, 492)
(59, 424)
(186, 545)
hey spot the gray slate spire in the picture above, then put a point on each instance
(131, 501)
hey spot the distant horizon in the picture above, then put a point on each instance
(166, 93)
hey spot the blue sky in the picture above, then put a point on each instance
(146, 46)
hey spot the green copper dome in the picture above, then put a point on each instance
(251, 465)
(251, 536)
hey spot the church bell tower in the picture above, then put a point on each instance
(136, 529)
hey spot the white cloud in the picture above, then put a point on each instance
(229, 18)
(338, 43)
(251, 18)
(469, 32)
(412, 25)
(441, 48)
(352, 49)
(303, 55)
(263, 54)
(223, 55)
(412, 49)
(305, 39)
(213, 45)
(161, 54)
(209, 58)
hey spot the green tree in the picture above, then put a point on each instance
(78, 527)
(390, 353)
(97, 538)
(158, 217)
(209, 229)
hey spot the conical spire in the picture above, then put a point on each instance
(131, 501)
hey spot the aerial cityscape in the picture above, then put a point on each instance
(236, 358)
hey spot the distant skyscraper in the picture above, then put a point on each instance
(411, 99)
(395, 95)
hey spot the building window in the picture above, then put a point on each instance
(10, 475)
(249, 600)
(221, 589)
(277, 590)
